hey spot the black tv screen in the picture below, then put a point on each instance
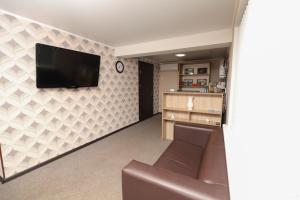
(57, 67)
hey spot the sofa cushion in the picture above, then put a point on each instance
(181, 157)
(216, 138)
(213, 166)
(197, 135)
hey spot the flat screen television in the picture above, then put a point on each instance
(58, 67)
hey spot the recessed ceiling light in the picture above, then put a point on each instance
(180, 54)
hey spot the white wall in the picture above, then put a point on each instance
(169, 67)
(262, 135)
(168, 79)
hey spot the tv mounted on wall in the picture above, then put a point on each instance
(58, 67)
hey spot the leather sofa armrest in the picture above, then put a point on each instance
(144, 182)
(194, 134)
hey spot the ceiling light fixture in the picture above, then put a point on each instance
(180, 54)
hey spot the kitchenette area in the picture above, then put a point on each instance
(193, 91)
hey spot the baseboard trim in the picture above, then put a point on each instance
(5, 180)
(2, 166)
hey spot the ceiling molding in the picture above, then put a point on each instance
(194, 61)
(240, 8)
(201, 41)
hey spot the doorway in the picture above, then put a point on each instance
(145, 90)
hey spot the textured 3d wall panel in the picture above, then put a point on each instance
(38, 124)
(156, 88)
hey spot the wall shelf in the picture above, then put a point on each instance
(193, 94)
(193, 74)
(204, 122)
(183, 87)
(196, 75)
(207, 110)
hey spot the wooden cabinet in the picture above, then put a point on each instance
(207, 109)
(194, 76)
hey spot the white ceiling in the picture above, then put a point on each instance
(123, 22)
(192, 55)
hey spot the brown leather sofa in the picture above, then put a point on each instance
(192, 167)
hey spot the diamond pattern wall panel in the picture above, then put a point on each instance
(156, 88)
(38, 124)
